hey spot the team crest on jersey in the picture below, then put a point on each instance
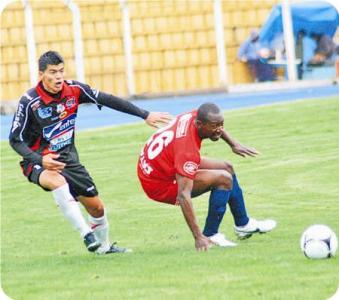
(190, 167)
(60, 108)
(45, 112)
(70, 102)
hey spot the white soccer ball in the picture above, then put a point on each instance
(319, 241)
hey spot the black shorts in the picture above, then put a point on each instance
(77, 177)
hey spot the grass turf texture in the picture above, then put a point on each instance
(294, 180)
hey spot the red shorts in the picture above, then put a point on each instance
(159, 190)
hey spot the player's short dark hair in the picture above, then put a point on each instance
(49, 58)
(206, 109)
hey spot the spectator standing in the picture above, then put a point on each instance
(255, 55)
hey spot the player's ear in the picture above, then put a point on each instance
(198, 123)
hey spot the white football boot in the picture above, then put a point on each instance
(220, 240)
(254, 226)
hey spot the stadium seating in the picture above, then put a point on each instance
(173, 43)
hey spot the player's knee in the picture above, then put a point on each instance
(224, 180)
(52, 180)
(228, 167)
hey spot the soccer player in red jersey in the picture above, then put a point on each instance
(43, 132)
(171, 170)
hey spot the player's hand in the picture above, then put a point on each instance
(202, 243)
(49, 162)
(154, 119)
(244, 150)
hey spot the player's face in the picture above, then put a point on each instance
(211, 129)
(53, 78)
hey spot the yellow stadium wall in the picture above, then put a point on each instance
(173, 43)
(14, 60)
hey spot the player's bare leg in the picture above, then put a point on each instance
(55, 182)
(215, 164)
(99, 224)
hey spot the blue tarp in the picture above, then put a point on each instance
(314, 16)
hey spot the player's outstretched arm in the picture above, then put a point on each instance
(89, 95)
(202, 243)
(244, 150)
(238, 148)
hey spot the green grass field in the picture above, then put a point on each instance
(295, 180)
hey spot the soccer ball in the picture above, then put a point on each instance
(319, 241)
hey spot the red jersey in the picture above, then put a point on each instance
(172, 149)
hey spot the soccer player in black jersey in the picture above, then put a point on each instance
(43, 134)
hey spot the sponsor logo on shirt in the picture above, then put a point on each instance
(61, 140)
(63, 114)
(45, 112)
(56, 129)
(190, 167)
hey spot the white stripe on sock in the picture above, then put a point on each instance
(100, 228)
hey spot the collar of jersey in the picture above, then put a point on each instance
(66, 91)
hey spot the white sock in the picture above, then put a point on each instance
(100, 228)
(70, 209)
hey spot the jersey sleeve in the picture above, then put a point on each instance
(122, 105)
(21, 123)
(187, 158)
(90, 95)
(87, 94)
